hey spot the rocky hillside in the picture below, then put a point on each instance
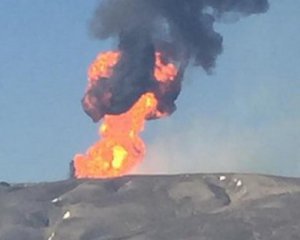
(187, 207)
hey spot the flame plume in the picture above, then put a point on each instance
(120, 147)
(139, 82)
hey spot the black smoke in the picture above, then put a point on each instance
(182, 29)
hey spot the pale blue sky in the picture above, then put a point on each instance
(244, 117)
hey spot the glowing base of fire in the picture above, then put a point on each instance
(120, 148)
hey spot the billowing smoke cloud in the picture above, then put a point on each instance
(183, 30)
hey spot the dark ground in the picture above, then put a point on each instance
(187, 207)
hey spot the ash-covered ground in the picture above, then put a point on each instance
(187, 207)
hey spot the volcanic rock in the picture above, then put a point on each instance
(187, 207)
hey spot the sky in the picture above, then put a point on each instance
(244, 117)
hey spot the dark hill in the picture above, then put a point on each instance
(187, 207)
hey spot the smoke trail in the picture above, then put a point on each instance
(182, 30)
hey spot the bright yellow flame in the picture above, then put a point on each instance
(119, 155)
(103, 128)
(149, 102)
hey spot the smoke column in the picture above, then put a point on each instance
(183, 30)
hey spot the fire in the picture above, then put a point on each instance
(120, 147)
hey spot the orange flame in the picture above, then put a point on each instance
(120, 148)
